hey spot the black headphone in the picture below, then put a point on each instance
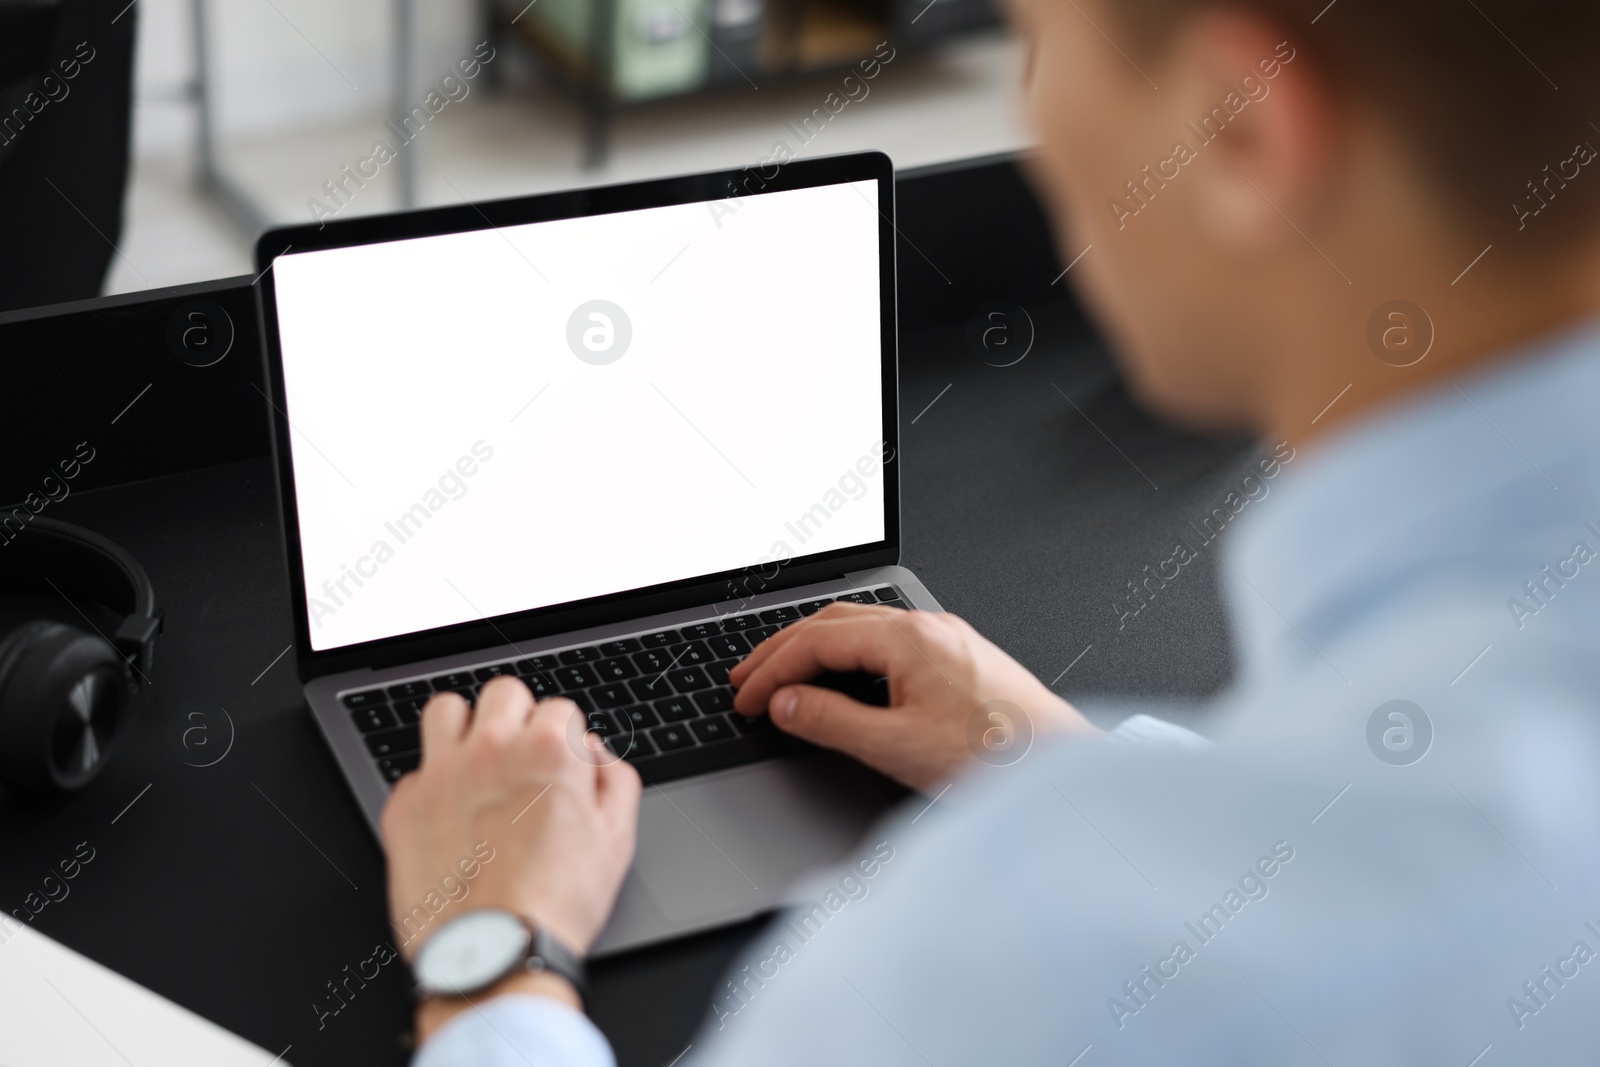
(78, 626)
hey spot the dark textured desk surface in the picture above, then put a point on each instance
(241, 890)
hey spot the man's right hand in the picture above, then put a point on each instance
(942, 673)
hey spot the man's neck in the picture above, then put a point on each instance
(1450, 331)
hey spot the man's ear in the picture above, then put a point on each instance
(1264, 122)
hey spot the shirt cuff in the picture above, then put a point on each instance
(1144, 731)
(515, 1030)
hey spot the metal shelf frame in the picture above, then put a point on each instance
(213, 179)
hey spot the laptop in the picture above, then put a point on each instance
(606, 441)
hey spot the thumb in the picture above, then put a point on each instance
(828, 718)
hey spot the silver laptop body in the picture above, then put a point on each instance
(778, 450)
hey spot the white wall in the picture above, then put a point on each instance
(278, 64)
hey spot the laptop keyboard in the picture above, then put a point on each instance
(661, 700)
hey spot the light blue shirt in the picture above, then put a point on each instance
(1305, 891)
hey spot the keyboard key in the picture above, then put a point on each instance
(369, 719)
(536, 664)
(483, 674)
(585, 705)
(579, 655)
(811, 607)
(395, 742)
(365, 700)
(630, 746)
(407, 690)
(393, 769)
(761, 633)
(620, 648)
(713, 729)
(894, 604)
(701, 630)
(638, 717)
(468, 693)
(687, 680)
(600, 723)
(615, 670)
(458, 680)
(579, 677)
(728, 645)
(611, 696)
(858, 598)
(408, 711)
(718, 672)
(660, 639)
(668, 738)
(675, 709)
(650, 688)
(785, 614)
(747, 725)
(887, 593)
(542, 685)
(714, 700)
(736, 623)
(690, 655)
(653, 660)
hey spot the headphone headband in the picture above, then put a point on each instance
(49, 554)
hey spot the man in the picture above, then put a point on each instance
(1369, 232)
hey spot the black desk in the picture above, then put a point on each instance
(240, 890)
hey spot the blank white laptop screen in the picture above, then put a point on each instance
(513, 418)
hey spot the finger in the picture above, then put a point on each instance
(396, 817)
(619, 789)
(503, 708)
(444, 721)
(836, 610)
(855, 642)
(833, 720)
(548, 734)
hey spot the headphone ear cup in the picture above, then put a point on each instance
(64, 698)
(23, 631)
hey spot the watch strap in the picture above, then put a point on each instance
(545, 953)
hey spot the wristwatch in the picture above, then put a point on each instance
(472, 952)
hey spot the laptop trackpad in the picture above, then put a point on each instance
(735, 841)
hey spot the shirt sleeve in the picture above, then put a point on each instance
(1145, 731)
(514, 1031)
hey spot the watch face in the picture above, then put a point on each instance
(472, 952)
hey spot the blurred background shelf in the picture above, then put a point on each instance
(612, 54)
(298, 90)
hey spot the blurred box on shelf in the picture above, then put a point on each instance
(657, 47)
(837, 33)
(737, 30)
